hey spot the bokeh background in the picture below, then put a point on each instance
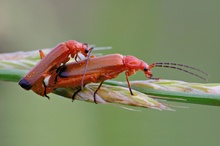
(161, 30)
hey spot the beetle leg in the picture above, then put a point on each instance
(42, 55)
(73, 97)
(129, 86)
(87, 60)
(45, 91)
(74, 94)
(75, 58)
(58, 72)
(94, 95)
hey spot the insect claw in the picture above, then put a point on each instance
(94, 96)
(45, 91)
(47, 97)
(130, 91)
(75, 93)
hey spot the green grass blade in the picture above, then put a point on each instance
(179, 91)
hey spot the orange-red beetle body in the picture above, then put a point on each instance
(104, 68)
(59, 55)
(99, 69)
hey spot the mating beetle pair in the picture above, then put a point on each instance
(79, 73)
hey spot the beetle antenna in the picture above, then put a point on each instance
(180, 67)
(87, 61)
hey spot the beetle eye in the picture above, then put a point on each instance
(145, 69)
(86, 51)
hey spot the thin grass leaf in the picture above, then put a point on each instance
(112, 95)
(179, 91)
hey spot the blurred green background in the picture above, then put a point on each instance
(161, 30)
